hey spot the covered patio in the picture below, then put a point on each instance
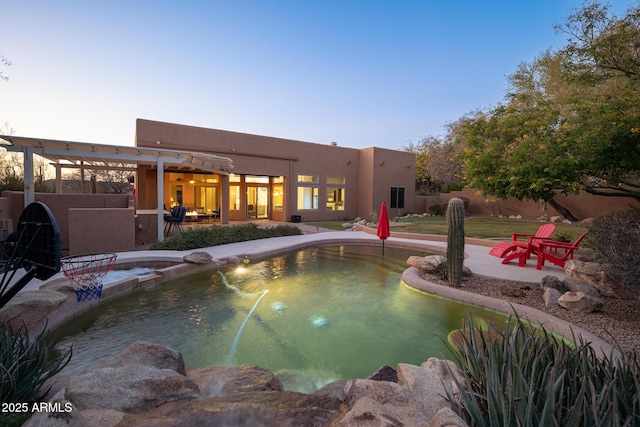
(79, 155)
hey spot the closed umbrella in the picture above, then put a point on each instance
(383, 225)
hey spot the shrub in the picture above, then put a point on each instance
(525, 376)
(615, 238)
(203, 237)
(25, 366)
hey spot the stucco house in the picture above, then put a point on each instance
(274, 178)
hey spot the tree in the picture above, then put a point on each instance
(437, 166)
(570, 120)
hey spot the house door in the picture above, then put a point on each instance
(257, 202)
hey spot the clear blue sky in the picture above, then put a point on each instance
(360, 73)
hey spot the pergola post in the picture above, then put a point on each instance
(29, 190)
(160, 187)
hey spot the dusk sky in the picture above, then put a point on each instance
(360, 73)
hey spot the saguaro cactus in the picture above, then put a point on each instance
(455, 242)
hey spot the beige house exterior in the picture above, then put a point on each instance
(275, 178)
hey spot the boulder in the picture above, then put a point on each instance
(445, 417)
(425, 387)
(31, 308)
(551, 297)
(554, 283)
(593, 274)
(430, 263)
(587, 221)
(368, 412)
(383, 392)
(148, 354)
(578, 286)
(199, 257)
(450, 373)
(255, 409)
(131, 388)
(580, 302)
(214, 381)
(384, 373)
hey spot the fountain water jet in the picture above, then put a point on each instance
(244, 323)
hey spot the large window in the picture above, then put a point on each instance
(397, 198)
(308, 192)
(335, 193)
(277, 193)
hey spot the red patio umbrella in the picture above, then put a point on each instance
(383, 225)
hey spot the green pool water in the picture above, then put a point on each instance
(329, 313)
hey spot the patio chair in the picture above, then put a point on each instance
(521, 249)
(175, 220)
(557, 252)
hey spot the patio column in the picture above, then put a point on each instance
(29, 191)
(160, 187)
(224, 202)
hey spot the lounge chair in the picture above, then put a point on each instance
(175, 220)
(557, 252)
(521, 249)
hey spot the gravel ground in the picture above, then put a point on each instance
(618, 321)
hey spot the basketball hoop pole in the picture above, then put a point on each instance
(17, 287)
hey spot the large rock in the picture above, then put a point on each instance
(31, 308)
(576, 285)
(554, 283)
(426, 389)
(199, 257)
(258, 409)
(146, 353)
(593, 274)
(430, 263)
(214, 381)
(551, 297)
(142, 385)
(580, 302)
(131, 388)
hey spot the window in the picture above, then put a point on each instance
(277, 197)
(234, 197)
(335, 194)
(307, 192)
(335, 199)
(397, 198)
(309, 179)
(308, 198)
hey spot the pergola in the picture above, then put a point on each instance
(68, 154)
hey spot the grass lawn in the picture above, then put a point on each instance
(483, 228)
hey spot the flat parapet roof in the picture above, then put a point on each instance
(70, 154)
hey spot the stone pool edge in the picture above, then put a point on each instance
(412, 278)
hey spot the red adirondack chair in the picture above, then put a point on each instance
(557, 252)
(521, 249)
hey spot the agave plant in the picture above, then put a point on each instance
(523, 375)
(26, 364)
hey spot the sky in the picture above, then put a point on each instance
(360, 73)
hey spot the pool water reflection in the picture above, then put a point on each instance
(330, 312)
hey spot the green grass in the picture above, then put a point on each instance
(482, 228)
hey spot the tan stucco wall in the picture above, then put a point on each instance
(583, 205)
(101, 230)
(59, 205)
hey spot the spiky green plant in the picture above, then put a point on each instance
(25, 365)
(455, 241)
(526, 376)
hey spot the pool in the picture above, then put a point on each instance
(312, 316)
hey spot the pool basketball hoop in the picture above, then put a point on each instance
(87, 272)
